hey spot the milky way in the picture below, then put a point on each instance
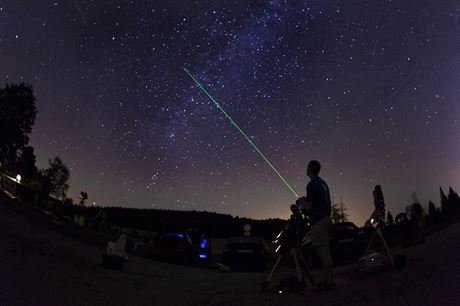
(369, 88)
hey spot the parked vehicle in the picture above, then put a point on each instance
(245, 253)
(181, 247)
(347, 242)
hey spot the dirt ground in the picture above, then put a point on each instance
(42, 265)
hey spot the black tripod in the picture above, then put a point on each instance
(300, 266)
(373, 261)
(290, 243)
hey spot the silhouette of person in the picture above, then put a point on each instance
(317, 205)
(417, 218)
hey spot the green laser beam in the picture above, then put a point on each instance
(241, 132)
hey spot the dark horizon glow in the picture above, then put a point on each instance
(368, 88)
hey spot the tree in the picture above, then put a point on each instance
(390, 219)
(58, 175)
(432, 213)
(25, 164)
(83, 198)
(17, 117)
(454, 200)
(339, 214)
(444, 203)
(335, 214)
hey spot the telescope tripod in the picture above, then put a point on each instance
(378, 234)
(300, 266)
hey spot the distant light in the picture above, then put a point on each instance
(203, 256)
(203, 243)
(94, 203)
(18, 178)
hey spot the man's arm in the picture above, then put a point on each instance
(306, 203)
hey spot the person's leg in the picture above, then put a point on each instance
(326, 260)
(320, 240)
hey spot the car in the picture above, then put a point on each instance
(246, 252)
(347, 242)
(181, 247)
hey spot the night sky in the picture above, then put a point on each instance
(369, 88)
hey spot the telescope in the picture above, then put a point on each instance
(291, 235)
(294, 240)
(374, 260)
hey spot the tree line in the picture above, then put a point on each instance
(447, 212)
(164, 220)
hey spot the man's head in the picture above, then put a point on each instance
(313, 168)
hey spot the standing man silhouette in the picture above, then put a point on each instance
(317, 205)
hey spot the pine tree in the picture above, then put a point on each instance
(444, 203)
(343, 211)
(339, 212)
(454, 200)
(432, 213)
(335, 215)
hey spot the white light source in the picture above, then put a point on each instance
(18, 178)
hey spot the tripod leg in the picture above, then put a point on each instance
(306, 267)
(370, 241)
(296, 262)
(385, 245)
(272, 271)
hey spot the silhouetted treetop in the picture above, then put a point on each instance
(58, 175)
(17, 117)
(25, 164)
